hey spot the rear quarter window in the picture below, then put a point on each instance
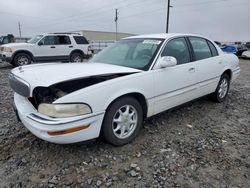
(213, 49)
(80, 40)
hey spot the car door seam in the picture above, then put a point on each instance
(184, 88)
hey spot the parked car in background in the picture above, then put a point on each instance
(248, 45)
(246, 55)
(113, 93)
(71, 47)
(240, 49)
(7, 39)
(229, 49)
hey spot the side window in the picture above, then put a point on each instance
(213, 49)
(177, 48)
(48, 40)
(5, 40)
(62, 40)
(80, 40)
(200, 47)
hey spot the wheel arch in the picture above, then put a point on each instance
(139, 97)
(229, 73)
(22, 51)
(77, 51)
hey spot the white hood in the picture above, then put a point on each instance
(13, 45)
(48, 74)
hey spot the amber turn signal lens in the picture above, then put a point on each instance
(67, 131)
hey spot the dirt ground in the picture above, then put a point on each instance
(200, 144)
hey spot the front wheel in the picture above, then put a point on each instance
(22, 59)
(222, 89)
(122, 121)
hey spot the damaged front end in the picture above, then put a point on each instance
(50, 94)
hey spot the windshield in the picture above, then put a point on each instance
(134, 53)
(1, 38)
(35, 39)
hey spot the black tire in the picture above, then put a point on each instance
(109, 125)
(218, 96)
(76, 57)
(21, 59)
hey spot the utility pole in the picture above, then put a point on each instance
(116, 24)
(19, 28)
(167, 25)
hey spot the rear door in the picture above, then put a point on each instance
(63, 46)
(208, 65)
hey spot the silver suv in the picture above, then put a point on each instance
(51, 47)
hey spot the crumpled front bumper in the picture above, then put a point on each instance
(40, 124)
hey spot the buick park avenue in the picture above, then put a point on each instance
(111, 95)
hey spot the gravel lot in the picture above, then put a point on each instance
(201, 144)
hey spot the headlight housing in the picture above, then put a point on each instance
(9, 50)
(64, 110)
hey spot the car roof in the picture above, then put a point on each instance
(72, 34)
(162, 35)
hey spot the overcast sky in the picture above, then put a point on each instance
(223, 20)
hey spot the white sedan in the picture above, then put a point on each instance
(246, 54)
(124, 84)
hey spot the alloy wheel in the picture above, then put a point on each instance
(23, 60)
(223, 88)
(125, 121)
(77, 59)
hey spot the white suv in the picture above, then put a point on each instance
(71, 47)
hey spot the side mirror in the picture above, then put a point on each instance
(167, 61)
(40, 43)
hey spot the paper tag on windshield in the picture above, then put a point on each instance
(151, 42)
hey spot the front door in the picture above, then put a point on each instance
(175, 85)
(47, 49)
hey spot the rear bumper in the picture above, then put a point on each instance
(40, 124)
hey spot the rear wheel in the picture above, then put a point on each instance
(76, 57)
(22, 59)
(222, 89)
(123, 121)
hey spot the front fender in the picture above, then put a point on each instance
(22, 51)
(100, 96)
